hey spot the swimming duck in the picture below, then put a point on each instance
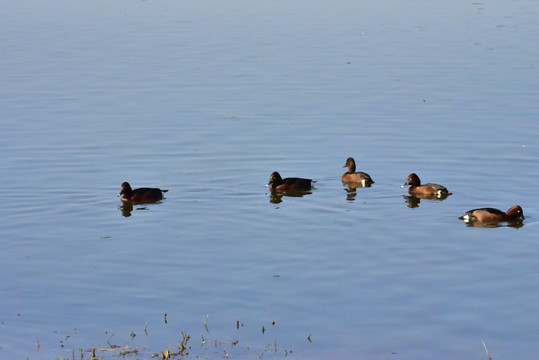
(140, 195)
(288, 184)
(359, 177)
(490, 215)
(427, 190)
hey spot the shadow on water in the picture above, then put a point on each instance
(414, 200)
(351, 189)
(276, 197)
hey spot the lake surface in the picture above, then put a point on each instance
(206, 99)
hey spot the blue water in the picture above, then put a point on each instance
(206, 99)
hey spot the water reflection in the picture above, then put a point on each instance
(414, 200)
(514, 224)
(276, 197)
(351, 189)
(127, 207)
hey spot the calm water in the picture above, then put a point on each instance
(206, 99)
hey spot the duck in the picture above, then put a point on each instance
(359, 177)
(425, 190)
(140, 195)
(491, 215)
(288, 184)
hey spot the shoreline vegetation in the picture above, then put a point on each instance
(205, 346)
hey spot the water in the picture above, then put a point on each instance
(206, 99)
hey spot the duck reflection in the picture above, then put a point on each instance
(414, 200)
(276, 197)
(351, 190)
(514, 224)
(127, 207)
